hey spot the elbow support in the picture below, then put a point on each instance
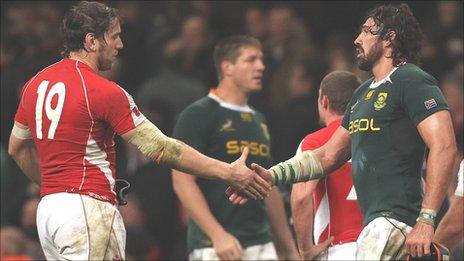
(303, 167)
(157, 146)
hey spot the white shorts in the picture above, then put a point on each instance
(256, 252)
(78, 227)
(459, 188)
(346, 251)
(383, 239)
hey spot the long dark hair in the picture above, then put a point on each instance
(408, 41)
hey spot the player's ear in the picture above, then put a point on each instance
(325, 102)
(389, 37)
(90, 42)
(226, 68)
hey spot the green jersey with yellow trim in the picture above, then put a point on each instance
(386, 148)
(221, 130)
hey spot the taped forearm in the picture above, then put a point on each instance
(303, 167)
(157, 146)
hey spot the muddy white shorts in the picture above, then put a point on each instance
(256, 252)
(383, 239)
(78, 227)
(345, 251)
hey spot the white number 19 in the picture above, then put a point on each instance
(52, 114)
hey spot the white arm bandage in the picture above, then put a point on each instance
(157, 146)
(303, 167)
(21, 133)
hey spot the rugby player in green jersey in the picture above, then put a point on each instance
(220, 126)
(388, 124)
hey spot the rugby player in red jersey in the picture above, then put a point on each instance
(63, 140)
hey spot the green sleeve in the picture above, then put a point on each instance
(421, 98)
(194, 127)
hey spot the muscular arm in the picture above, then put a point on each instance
(282, 235)
(437, 133)
(24, 153)
(310, 165)
(193, 200)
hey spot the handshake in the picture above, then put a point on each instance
(244, 183)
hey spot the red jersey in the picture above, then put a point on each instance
(73, 114)
(336, 210)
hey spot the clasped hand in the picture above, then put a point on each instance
(262, 184)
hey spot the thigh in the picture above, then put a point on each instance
(382, 239)
(105, 230)
(44, 230)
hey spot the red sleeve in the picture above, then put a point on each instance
(310, 142)
(21, 111)
(118, 108)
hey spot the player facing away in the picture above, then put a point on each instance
(327, 209)
(220, 125)
(63, 140)
(390, 120)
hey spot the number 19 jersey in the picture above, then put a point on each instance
(72, 114)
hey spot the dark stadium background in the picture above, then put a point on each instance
(302, 42)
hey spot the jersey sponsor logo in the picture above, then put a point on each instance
(381, 101)
(361, 125)
(265, 131)
(255, 148)
(429, 104)
(247, 117)
(369, 95)
(227, 126)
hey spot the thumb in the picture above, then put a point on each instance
(257, 168)
(244, 155)
(262, 172)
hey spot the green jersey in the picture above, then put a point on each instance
(221, 130)
(386, 148)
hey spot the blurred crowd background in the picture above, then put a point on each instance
(167, 64)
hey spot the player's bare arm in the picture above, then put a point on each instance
(308, 165)
(450, 232)
(437, 133)
(302, 212)
(163, 149)
(451, 228)
(282, 236)
(22, 149)
(226, 246)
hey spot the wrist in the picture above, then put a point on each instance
(224, 172)
(216, 233)
(427, 216)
